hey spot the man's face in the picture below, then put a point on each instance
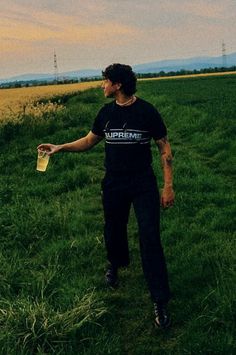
(110, 89)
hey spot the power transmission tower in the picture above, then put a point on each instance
(55, 68)
(224, 58)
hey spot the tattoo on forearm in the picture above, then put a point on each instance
(169, 160)
(164, 140)
(161, 143)
(165, 151)
(166, 160)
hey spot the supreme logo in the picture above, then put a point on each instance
(123, 135)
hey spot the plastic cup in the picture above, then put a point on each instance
(42, 161)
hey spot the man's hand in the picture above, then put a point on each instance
(167, 197)
(49, 148)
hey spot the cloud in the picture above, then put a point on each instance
(209, 9)
(92, 20)
(100, 31)
(45, 25)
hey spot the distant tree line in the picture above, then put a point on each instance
(185, 72)
(30, 83)
(171, 73)
(60, 81)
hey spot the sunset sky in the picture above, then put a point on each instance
(94, 33)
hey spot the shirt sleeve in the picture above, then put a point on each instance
(97, 127)
(158, 127)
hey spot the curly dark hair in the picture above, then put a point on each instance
(123, 74)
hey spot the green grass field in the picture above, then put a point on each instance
(52, 294)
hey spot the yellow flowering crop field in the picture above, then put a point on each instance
(16, 102)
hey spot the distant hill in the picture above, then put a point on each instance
(186, 64)
(50, 77)
(152, 67)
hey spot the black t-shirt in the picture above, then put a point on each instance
(128, 131)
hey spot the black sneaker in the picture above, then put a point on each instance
(162, 318)
(111, 276)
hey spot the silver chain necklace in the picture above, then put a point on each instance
(127, 102)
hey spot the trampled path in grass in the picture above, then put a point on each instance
(53, 298)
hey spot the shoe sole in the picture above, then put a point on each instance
(158, 326)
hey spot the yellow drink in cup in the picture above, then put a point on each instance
(42, 161)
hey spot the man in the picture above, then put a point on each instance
(128, 124)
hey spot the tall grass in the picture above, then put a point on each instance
(53, 298)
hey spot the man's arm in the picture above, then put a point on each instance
(80, 145)
(167, 198)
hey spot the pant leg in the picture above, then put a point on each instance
(147, 209)
(116, 205)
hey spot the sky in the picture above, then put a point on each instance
(91, 34)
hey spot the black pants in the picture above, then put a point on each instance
(119, 191)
